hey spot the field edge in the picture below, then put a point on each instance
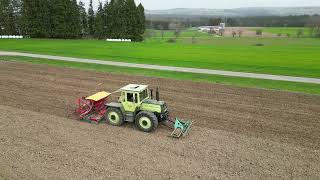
(215, 79)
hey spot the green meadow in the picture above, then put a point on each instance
(280, 56)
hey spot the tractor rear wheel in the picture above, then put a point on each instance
(146, 121)
(114, 116)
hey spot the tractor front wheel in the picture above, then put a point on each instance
(114, 116)
(146, 121)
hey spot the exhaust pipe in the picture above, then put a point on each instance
(151, 93)
(157, 95)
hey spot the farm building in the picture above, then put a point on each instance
(216, 29)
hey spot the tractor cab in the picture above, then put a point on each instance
(132, 96)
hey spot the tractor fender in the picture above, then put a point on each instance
(116, 105)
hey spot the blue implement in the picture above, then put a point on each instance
(181, 128)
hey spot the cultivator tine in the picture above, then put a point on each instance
(176, 133)
(181, 128)
(189, 126)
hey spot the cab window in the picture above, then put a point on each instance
(123, 97)
(129, 97)
(143, 94)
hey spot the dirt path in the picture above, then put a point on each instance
(238, 133)
(169, 68)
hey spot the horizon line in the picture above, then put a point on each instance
(237, 8)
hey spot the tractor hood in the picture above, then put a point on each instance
(152, 101)
(153, 106)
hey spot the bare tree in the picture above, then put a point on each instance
(234, 33)
(177, 33)
(148, 34)
(299, 33)
(259, 32)
(314, 24)
(212, 31)
(316, 32)
(221, 32)
(177, 27)
(193, 39)
(161, 31)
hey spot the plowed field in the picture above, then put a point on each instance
(237, 133)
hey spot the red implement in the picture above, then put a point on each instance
(92, 108)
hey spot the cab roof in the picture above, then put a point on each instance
(134, 87)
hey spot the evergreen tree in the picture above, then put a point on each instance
(105, 18)
(99, 22)
(16, 4)
(36, 18)
(131, 22)
(75, 20)
(141, 23)
(10, 20)
(120, 19)
(2, 15)
(9, 17)
(5, 14)
(110, 19)
(91, 19)
(83, 19)
(58, 14)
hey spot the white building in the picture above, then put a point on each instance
(216, 29)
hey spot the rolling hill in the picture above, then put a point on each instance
(250, 11)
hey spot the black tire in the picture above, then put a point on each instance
(114, 116)
(146, 121)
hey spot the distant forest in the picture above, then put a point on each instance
(116, 19)
(163, 22)
(67, 19)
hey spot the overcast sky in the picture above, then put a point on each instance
(219, 4)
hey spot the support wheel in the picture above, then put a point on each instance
(114, 116)
(146, 121)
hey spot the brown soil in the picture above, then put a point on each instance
(237, 133)
(246, 32)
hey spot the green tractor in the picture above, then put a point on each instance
(136, 104)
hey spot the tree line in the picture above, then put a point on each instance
(167, 22)
(67, 19)
(160, 21)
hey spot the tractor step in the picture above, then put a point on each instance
(129, 116)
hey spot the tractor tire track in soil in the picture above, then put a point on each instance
(238, 132)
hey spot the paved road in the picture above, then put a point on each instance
(169, 68)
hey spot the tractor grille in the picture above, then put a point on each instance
(164, 116)
(164, 108)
